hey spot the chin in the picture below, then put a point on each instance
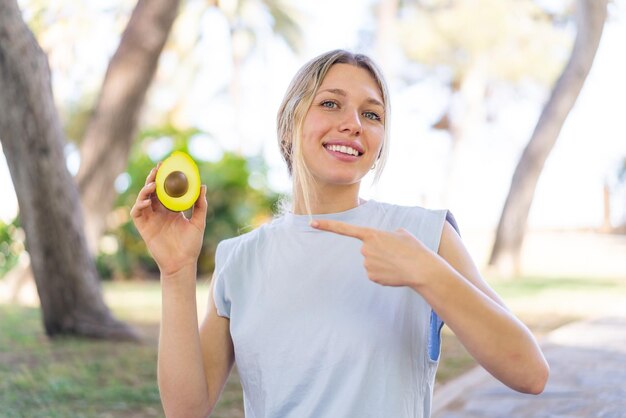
(339, 176)
(342, 180)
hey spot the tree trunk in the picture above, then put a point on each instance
(505, 255)
(50, 211)
(112, 127)
(607, 226)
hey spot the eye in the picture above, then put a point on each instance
(329, 104)
(372, 116)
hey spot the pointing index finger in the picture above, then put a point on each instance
(341, 228)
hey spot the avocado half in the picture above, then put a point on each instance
(178, 182)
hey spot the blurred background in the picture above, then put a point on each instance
(469, 82)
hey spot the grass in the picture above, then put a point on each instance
(545, 303)
(81, 378)
(533, 286)
(71, 377)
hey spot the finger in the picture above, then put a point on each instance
(151, 176)
(201, 200)
(198, 217)
(342, 228)
(143, 200)
(139, 207)
(146, 190)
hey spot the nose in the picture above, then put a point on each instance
(350, 122)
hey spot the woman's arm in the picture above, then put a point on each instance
(181, 376)
(452, 285)
(479, 318)
(193, 365)
(191, 369)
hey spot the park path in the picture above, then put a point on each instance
(587, 379)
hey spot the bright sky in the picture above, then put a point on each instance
(570, 190)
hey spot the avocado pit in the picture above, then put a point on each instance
(176, 184)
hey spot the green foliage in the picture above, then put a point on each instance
(234, 205)
(508, 40)
(11, 245)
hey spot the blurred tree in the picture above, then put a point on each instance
(248, 22)
(614, 188)
(113, 124)
(50, 211)
(505, 255)
(621, 184)
(474, 45)
(106, 132)
(241, 16)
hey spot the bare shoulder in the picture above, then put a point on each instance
(453, 250)
(451, 244)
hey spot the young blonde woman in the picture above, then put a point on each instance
(328, 310)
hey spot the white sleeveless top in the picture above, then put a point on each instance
(313, 336)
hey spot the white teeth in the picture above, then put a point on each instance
(343, 149)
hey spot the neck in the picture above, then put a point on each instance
(329, 199)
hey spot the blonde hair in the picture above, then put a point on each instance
(295, 106)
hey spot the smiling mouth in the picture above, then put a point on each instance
(343, 149)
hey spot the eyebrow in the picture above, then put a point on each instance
(341, 92)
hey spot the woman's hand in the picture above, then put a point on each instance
(391, 258)
(173, 240)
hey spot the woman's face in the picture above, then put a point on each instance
(344, 128)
